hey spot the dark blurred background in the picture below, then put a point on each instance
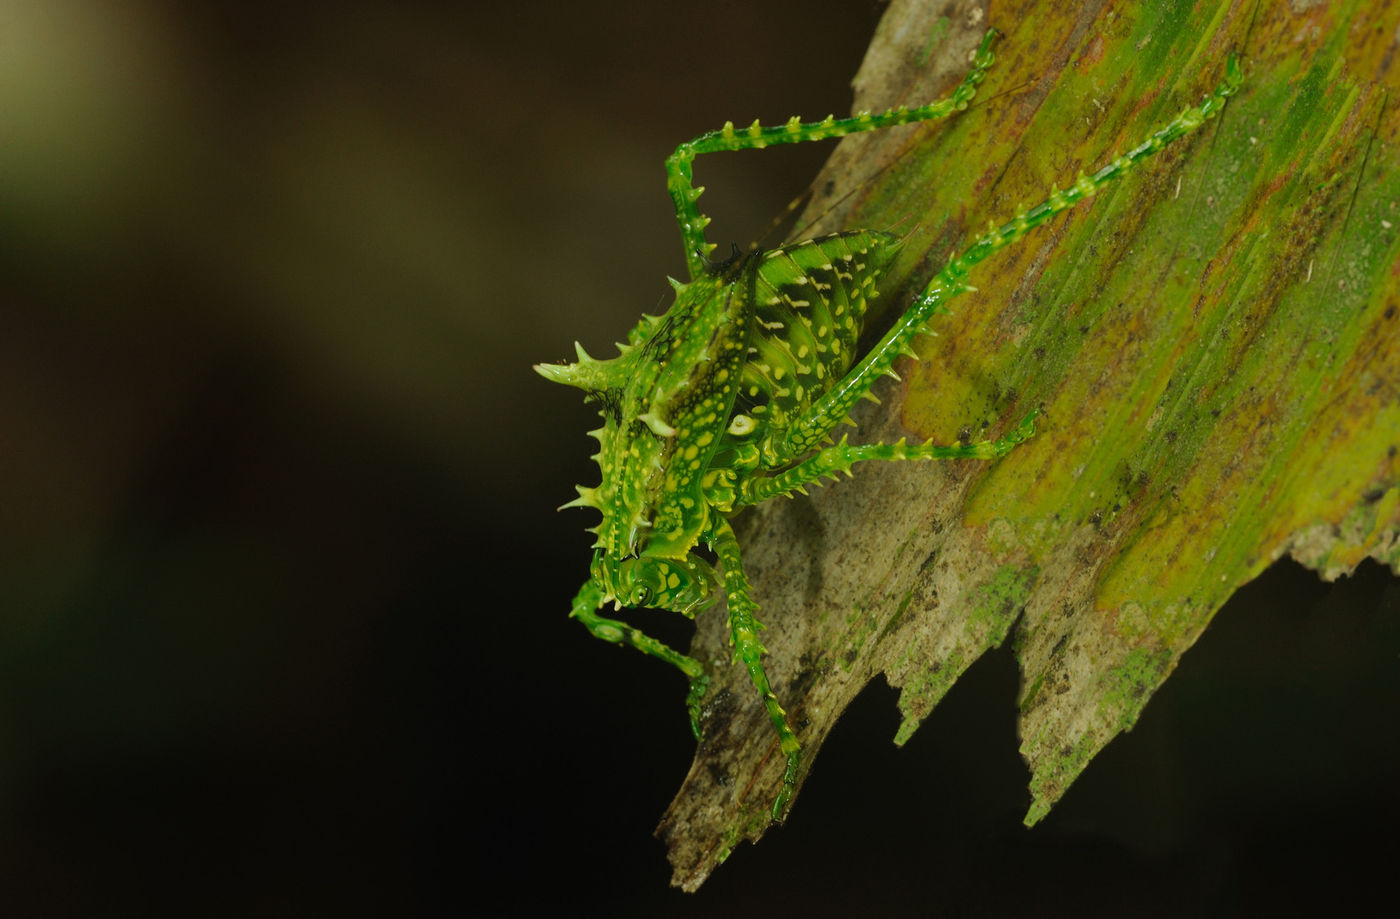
(283, 603)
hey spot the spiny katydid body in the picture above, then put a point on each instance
(727, 399)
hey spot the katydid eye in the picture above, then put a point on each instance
(741, 425)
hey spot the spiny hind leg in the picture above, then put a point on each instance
(755, 137)
(586, 605)
(743, 633)
(808, 432)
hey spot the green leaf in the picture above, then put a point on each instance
(1214, 344)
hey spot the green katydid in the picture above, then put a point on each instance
(728, 398)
